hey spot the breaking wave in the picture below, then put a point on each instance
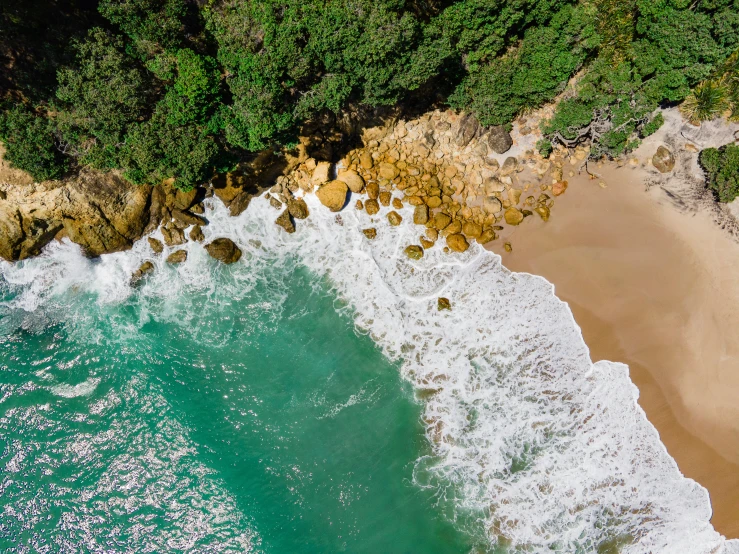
(551, 451)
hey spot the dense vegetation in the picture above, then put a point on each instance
(722, 171)
(181, 88)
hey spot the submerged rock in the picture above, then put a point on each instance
(141, 272)
(370, 233)
(224, 250)
(394, 218)
(414, 252)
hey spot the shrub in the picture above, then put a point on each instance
(722, 171)
(29, 144)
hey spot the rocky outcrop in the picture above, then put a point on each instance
(224, 250)
(100, 212)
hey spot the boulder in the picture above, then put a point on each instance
(372, 206)
(486, 236)
(321, 173)
(365, 159)
(513, 216)
(394, 218)
(173, 236)
(467, 129)
(414, 252)
(443, 304)
(426, 243)
(421, 215)
(333, 195)
(457, 242)
(141, 272)
(352, 179)
(370, 233)
(156, 245)
(197, 234)
(492, 185)
(441, 221)
(508, 247)
(433, 201)
(559, 188)
(183, 200)
(385, 197)
(388, 171)
(499, 140)
(472, 229)
(397, 203)
(491, 205)
(663, 160)
(297, 208)
(238, 205)
(224, 250)
(543, 212)
(285, 221)
(373, 190)
(177, 257)
(187, 218)
(509, 166)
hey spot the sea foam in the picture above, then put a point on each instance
(550, 450)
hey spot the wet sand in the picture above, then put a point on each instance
(657, 289)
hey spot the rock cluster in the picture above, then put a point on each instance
(445, 166)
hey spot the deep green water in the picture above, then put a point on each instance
(209, 421)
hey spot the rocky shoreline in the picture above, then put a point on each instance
(465, 183)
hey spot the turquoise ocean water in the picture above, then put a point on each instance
(208, 423)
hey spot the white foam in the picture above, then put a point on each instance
(551, 450)
(85, 388)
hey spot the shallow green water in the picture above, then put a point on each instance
(208, 423)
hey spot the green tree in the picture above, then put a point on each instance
(29, 143)
(722, 171)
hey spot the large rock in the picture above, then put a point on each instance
(414, 252)
(394, 218)
(298, 208)
(224, 250)
(491, 205)
(177, 257)
(499, 140)
(457, 242)
(333, 195)
(388, 171)
(100, 212)
(663, 160)
(286, 222)
(352, 179)
(321, 173)
(421, 215)
(145, 268)
(513, 216)
(467, 129)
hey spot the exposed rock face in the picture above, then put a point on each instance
(224, 250)
(333, 195)
(100, 212)
(499, 140)
(663, 160)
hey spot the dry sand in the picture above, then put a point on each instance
(657, 289)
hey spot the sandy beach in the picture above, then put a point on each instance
(657, 289)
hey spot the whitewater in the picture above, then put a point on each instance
(551, 451)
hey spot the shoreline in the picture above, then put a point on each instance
(648, 287)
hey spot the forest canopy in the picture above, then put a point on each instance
(182, 88)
